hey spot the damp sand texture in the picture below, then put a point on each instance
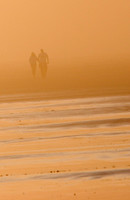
(62, 149)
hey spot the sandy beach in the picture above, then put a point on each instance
(65, 100)
(75, 148)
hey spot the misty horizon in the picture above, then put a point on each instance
(86, 30)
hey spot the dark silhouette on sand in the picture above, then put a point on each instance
(33, 62)
(43, 61)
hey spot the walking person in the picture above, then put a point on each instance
(43, 62)
(33, 62)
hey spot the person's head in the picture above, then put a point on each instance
(33, 54)
(42, 51)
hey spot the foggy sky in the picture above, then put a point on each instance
(65, 29)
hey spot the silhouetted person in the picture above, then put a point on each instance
(43, 61)
(33, 62)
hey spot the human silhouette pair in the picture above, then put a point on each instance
(42, 60)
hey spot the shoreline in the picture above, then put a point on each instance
(66, 94)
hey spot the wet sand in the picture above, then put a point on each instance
(75, 148)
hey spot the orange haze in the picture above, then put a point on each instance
(67, 30)
(87, 42)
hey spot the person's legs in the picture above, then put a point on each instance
(34, 70)
(43, 69)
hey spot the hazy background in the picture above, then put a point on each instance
(66, 29)
(75, 34)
